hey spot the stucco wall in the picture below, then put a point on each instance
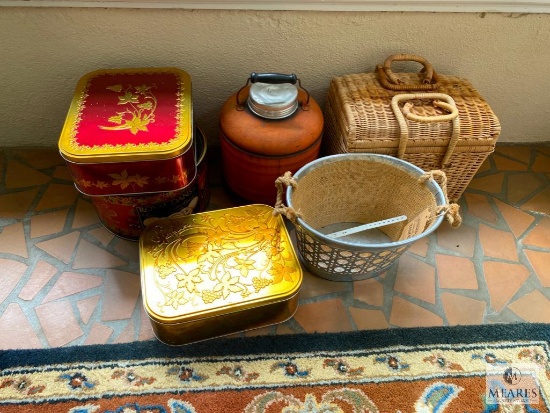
(44, 51)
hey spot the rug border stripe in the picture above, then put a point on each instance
(302, 342)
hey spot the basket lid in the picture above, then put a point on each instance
(129, 115)
(214, 263)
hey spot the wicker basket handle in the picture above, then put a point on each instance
(446, 102)
(390, 81)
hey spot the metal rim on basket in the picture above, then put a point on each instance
(433, 186)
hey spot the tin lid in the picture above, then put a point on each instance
(120, 115)
(214, 263)
(273, 101)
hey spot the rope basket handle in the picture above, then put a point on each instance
(450, 209)
(390, 81)
(282, 183)
(446, 102)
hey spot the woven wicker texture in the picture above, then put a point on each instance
(359, 118)
(358, 190)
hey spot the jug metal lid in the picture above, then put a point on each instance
(273, 101)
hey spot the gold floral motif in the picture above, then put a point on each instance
(138, 111)
(125, 180)
(121, 179)
(207, 257)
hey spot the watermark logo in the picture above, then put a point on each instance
(512, 383)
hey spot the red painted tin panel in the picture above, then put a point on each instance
(126, 110)
(134, 177)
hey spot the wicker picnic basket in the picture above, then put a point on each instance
(431, 120)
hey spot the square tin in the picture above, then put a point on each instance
(216, 273)
(130, 131)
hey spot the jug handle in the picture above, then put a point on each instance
(273, 78)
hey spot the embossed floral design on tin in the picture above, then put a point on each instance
(219, 256)
(137, 111)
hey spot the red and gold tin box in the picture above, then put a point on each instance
(127, 215)
(216, 273)
(130, 131)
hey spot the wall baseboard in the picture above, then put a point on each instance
(455, 6)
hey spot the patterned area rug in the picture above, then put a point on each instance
(492, 368)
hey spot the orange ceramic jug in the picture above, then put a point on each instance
(270, 126)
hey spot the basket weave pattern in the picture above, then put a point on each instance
(359, 118)
(319, 256)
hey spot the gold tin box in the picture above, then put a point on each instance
(216, 273)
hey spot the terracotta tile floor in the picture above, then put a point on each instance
(65, 280)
